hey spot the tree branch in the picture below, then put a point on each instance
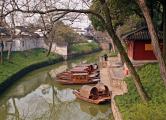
(54, 10)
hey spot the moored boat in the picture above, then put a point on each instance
(89, 67)
(79, 75)
(97, 94)
(78, 78)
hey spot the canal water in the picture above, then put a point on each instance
(37, 96)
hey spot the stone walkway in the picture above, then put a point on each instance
(111, 74)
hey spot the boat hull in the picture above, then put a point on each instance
(80, 75)
(100, 100)
(70, 82)
(65, 76)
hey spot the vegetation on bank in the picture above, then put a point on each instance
(84, 47)
(113, 54)
(110, 53)
(130, 105)
(20, 60)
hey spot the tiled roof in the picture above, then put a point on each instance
(140, 34)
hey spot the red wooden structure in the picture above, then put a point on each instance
(139, 44)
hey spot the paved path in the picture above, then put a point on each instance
(111, 74)
(104, 75)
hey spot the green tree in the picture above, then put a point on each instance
(62, 33)
(121, 10)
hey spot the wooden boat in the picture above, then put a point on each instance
(97, 94)
(90, 68)
(78, 78)
(78, 75)
(79, 70)
(68, 82)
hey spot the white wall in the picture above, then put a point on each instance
(21, 44)
(62, 50)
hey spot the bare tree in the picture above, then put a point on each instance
(12, 32)
(10, 29)
(107, 22)
(1, 24)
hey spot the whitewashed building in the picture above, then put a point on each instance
(25, 40)
(27, 43)
(22, 41)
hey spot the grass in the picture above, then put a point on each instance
(84, 47)
(130, 104)
(19, 60)
(113, 54)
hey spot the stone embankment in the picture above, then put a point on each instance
(111, 73)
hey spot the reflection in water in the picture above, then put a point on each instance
(37, 96)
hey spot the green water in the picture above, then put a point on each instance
(37, 96)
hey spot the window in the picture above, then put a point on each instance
(148, 47)
(23, 43)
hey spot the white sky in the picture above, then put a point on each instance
(83, 21)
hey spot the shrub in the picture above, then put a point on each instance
(130, 104)
(84, 47)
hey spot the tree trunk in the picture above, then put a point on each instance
(9, 52)
(50, 47)
(164, 30)
(150, 6)
(122, 51)
(1, 57)
(113, 46)
(154, 39)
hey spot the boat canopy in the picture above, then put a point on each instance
(89, 92)
(102, 88)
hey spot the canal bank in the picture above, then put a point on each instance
(112, 77)
(126, 103)
(36, 95)
(25, 62)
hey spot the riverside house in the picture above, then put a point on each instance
(5, 38)
(22, 39)
(139, 47)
